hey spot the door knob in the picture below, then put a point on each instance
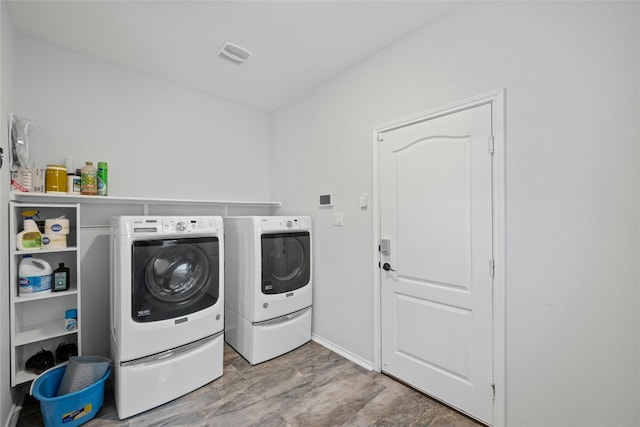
(386, 267)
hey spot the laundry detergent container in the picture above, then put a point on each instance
(72, 409)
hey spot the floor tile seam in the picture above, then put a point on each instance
(230, 413)
(312, 373)
(289, 392)
(243, 379)
(254, 379)
(285, 399)
(353, 408)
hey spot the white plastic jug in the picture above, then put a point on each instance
(34, 276)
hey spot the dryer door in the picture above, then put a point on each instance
(173, 277)
(286, 262)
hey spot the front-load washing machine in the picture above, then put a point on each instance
(268, 277)
(167, 308)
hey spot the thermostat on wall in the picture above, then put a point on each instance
(326, 200)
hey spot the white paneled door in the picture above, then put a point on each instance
(437, 258)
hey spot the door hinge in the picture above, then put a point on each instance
(492, 268)
(493, 390)
(380, 137)
(491, 140)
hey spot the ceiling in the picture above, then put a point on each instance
(295, 45)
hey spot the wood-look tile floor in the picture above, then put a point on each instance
(310, 386)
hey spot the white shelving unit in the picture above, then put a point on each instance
(37, 322)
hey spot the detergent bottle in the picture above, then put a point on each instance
(29, 238)
(34, 276)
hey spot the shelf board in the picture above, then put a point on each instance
(45, 251)
(23, 376)
(67, 198)
(46, 295)
(43, 331)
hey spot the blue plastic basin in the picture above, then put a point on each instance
(71, 409)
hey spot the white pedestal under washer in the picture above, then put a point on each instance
(268, 285)
(167, 308)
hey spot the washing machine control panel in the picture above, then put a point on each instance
(190, 224)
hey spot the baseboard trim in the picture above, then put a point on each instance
(342, 352)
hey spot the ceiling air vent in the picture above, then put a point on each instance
(234, 53)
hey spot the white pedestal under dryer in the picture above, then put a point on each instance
(268, 279)
(167, 308)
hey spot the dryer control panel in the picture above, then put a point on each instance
(284, 223)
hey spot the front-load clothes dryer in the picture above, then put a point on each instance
(268, 285)
(167, 308)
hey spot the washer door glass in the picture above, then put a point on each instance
(174, 277)
(177, 273)
(286, 262)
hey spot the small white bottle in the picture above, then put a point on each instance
(71, 176)
(71, 319)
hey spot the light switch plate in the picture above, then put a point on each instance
(364, 201)
(338, 219)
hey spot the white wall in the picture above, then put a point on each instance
(571, 71)
(6, 98)
(159, 139)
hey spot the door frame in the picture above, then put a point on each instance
(497, 99)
